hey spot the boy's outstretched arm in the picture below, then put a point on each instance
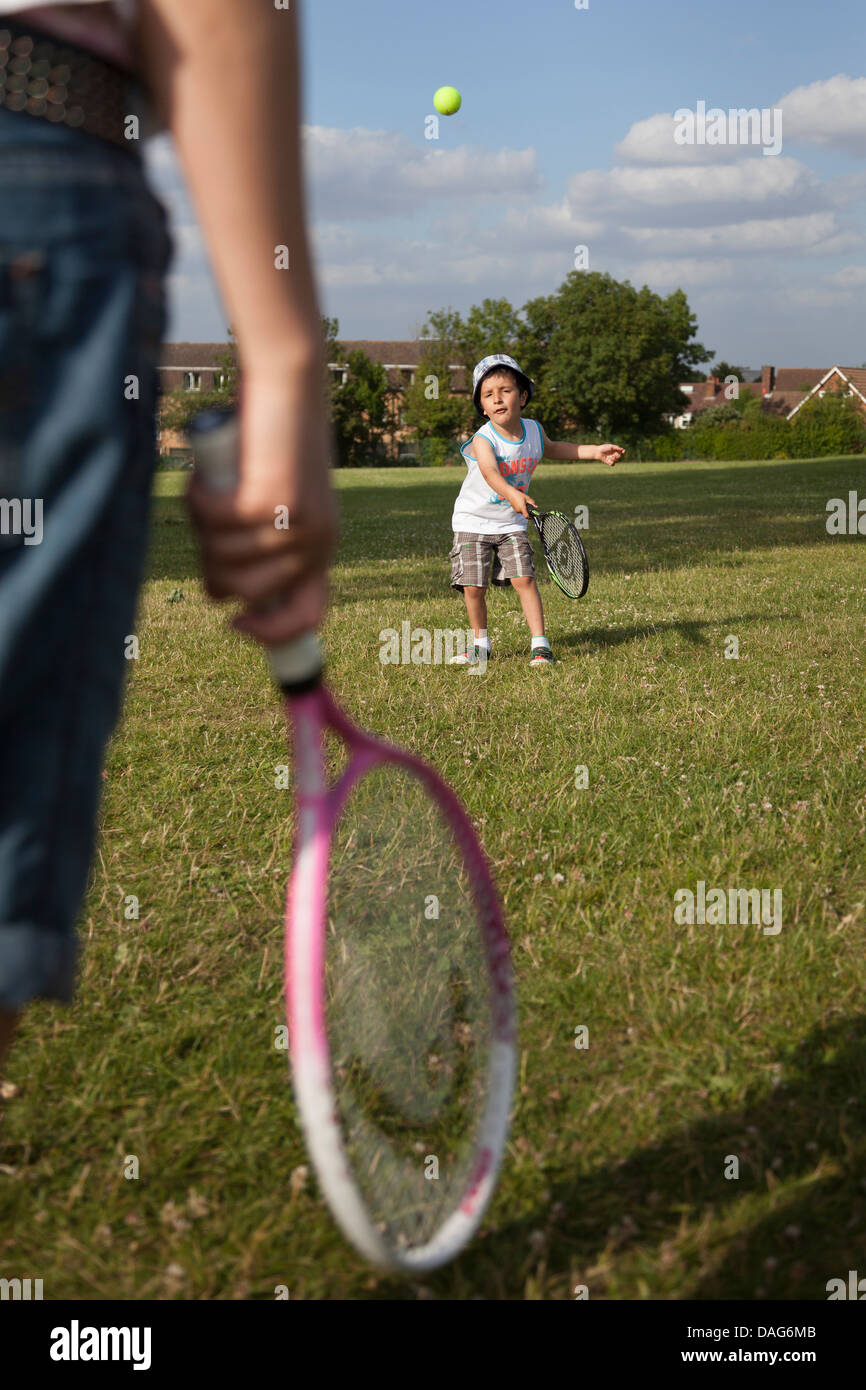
(586, 453)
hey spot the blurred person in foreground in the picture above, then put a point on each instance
(84, 249)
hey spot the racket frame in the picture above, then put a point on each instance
(319, 807)
(296, 667)
(538, 517)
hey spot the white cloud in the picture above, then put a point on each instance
(363, 174)
(559, 226)
(831, 113)
(772, 234)
(651, 141)
(848, 278)
(668, 272)
(847, 188)
(743, 234)
(667, 196)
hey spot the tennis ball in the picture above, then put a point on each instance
(447, 100)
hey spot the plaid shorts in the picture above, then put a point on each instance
(473, 557)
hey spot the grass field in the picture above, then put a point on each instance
(704, 1041)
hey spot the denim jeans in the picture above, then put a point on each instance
(84, 248)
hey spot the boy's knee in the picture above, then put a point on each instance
(526, 581)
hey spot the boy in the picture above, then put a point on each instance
(489, 520)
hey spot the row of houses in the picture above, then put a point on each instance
(195, 367)
(782, 390)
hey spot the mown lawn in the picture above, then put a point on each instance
(705, 1042)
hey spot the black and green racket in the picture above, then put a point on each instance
(563, 551)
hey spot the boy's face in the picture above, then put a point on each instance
(501, 398)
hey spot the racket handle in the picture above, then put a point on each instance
(215, 439)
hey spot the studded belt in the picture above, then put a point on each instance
(54, 80)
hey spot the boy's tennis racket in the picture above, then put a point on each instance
(398, 981)
(563, 551)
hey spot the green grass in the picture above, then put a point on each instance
(703, 1041)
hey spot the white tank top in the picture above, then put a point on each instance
(478, 509)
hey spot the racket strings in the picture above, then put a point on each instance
(563, 549)
(409, 1005)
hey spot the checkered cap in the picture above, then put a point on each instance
(489, 364)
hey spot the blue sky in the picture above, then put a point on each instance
(565, 139)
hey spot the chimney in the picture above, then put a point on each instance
(768, 380)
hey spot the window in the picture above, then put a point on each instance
(192, 381)
(220, 380)
(407, 375)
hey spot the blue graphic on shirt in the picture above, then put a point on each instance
(520, 486)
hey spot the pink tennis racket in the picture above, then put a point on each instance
(398, 980)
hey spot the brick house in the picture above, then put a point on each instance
(842, 381)
(195, 367)
(188, 367)
(703, 394)
(782, 390)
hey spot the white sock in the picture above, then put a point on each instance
(540, 642)
(482, 640)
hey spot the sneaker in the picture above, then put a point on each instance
(542, 656)
(467, 658)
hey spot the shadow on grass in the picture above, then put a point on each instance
(799, 1148)
(692, 630)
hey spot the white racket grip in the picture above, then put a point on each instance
(215, 438)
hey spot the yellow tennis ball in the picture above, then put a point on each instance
(447, 100)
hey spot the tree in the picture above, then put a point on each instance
(726, 414)
(437, 417)
(228, 364)
(492, 326)
(724, 369)
(750, 406)
(533, 354)
(828, 425)
(332, 352)
(616, 354)
(358, 411)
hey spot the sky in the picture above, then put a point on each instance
(567, 137)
